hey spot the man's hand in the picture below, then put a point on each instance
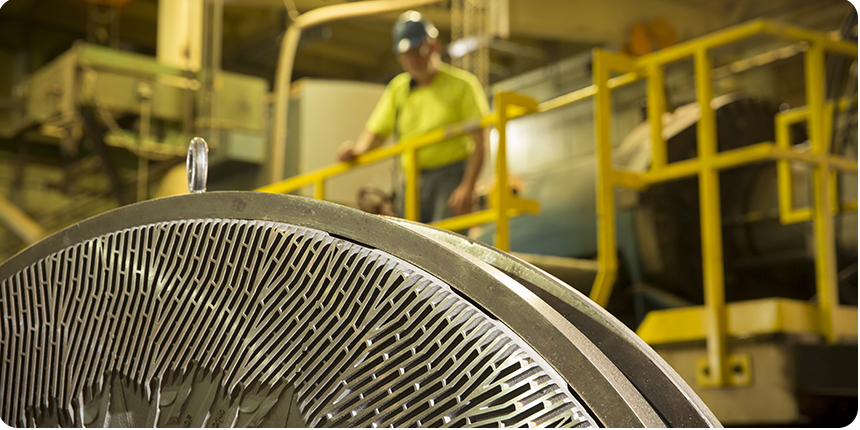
(346, 151)
(461, 199)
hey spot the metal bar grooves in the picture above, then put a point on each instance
(222, 322)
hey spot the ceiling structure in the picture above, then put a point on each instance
(541, 31)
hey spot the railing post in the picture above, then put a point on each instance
(711, 225)
(502, 200)
(319, 189)
(410, 198)
(607, 253)
(656, 109)
(785, 183)
(822, 211)
(499, 197)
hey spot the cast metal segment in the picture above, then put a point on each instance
(349, 327)
(371, 307)
(650, 374)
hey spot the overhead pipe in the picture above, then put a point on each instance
(286, 58)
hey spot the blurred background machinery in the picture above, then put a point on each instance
(96, 127)
(99, 99)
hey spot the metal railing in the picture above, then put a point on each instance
(709, 162)
(706, 166)
(503, 204)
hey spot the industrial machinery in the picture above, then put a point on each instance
(779, 366)
(746, 294)
(98, 127)
(252, 309)
(92, 91)
(788, 358)
(240, 309)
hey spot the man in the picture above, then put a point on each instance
(428, 95)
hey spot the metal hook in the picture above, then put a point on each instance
(197, 165)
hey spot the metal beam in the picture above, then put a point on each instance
(606, 22)
(745, 319)
(20, 223)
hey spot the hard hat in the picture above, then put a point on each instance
(410, 30)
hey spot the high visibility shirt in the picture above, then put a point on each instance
(454, 95)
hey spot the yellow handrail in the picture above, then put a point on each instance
(503, 204)
(706, 166)
(418, 142)
(709, 162)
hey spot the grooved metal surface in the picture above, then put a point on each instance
(215, 322)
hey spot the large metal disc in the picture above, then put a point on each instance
(250, 309)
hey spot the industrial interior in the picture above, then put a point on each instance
(663, 233)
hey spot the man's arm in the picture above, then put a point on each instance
(366, 141)
(381, 122)
(461, 198)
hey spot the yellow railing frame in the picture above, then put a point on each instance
(709, 162)
(706, 166)
(503, 204)
(788, 214)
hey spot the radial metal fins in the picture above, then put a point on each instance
(219, 322)
(250, 309)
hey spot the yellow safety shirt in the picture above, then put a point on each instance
(453, 96)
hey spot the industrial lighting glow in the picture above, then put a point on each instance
(403, 45)
(462, 47)
(494, 140)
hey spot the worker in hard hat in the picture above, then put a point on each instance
(429, 95)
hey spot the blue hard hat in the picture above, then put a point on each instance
(410, 30)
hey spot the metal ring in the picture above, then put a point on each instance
(609, 395)
(197, 165)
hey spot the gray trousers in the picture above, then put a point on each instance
(434, 189)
